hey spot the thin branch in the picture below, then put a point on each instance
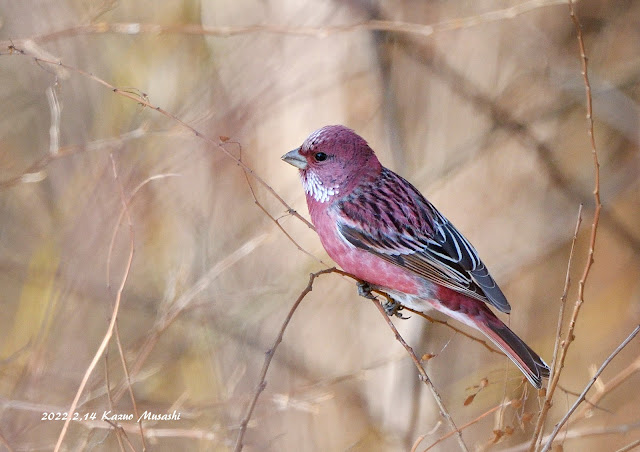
(142, 99)
(167, 317)
(583, 395)
(269, 356)
(114, 316)
(609, 386)
(553, 383)
(630, 446)
(569, 337)
(5, 443)
(35, 172)
(54, 129)
(135, 28)
(424, 377)
(123, 211)
(470, 423)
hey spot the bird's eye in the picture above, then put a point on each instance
(320, 156)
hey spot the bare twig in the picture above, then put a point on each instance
(5, 443)
(269, 356)
(123, 211)
(318, 32)
(35, 172)
(114, 316)
(629, 446)
(142, 100)
(569, 337)
(580, 399)
(271, 217)
(470, 423)
(609, 386)
(424, 377)
(553, 383)
(54, 128)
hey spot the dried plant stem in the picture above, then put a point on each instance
(569, 337)
(582, 396)
(630, 446)
(470, 423)
(317, 32)
(269, 356)
(609, 386)
(112, 322)
(553, 383)
(424, 377)
(142, 100)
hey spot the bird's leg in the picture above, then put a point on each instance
(364, 290)
(393, 307)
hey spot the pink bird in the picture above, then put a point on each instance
(378, 227)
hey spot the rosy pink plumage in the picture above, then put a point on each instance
(379, 228)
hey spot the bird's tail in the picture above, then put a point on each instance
(528, 361)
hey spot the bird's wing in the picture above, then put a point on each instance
(391, 219)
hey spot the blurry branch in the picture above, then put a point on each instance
(270, 353)
(121, 353)
(118, 431)
(34, 173)
(504, 119)
(142, 99)
(134, 28)
(604, 389)
(558, 363)
(169, 314)
(54, 129)
(555, 370)
(580, 399)
(629, 446)
(585, 433)
(123, 211)
(5, 443)
(468, 424)
(114, 315)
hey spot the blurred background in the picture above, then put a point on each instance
(483, 109)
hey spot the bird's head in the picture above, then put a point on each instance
(332, 160)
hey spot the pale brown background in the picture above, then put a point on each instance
(486, 117)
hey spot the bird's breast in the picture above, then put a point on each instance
(359, 262)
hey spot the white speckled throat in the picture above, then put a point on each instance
(314, 187)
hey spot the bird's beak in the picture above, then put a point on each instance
(294, 158)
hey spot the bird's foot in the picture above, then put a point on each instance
(364, 290)
(393, 308)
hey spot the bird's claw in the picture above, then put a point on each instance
(364, 290)
(393, 308)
